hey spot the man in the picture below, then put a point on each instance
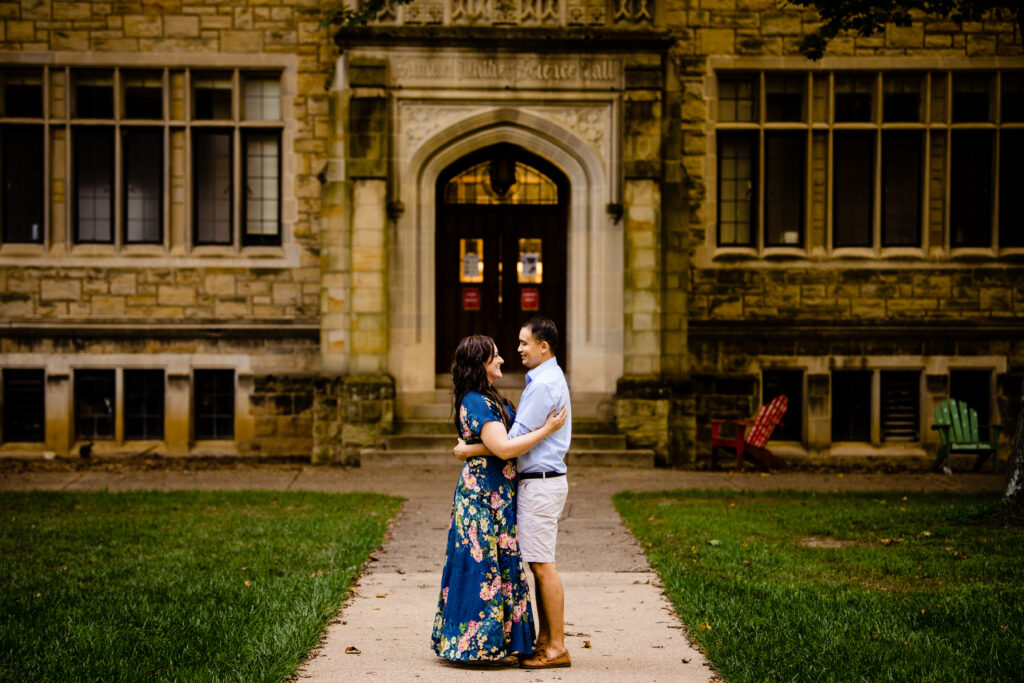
(543, 486)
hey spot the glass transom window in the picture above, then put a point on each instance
(476, 185)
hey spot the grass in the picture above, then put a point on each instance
(841, 587)
(183, 586)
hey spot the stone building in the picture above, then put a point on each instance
(228, 231)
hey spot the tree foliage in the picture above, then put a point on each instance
(868, 17)
(360, 16)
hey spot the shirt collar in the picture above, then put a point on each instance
(532, 374)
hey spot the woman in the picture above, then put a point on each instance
(484, 613)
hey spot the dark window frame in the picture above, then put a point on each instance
(29, 405)
(212, 420)
(144, 394)
(20, 132)
(259, 239)
(196, 179)
(87, 409)
(125, 190)
(752, 140)
(899, 418)
(847, 427)
(791, 382)
(80, 159)
(838, 209)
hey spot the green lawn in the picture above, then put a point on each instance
(841, 587)
(184, 586)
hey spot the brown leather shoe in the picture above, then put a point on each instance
(539, 660)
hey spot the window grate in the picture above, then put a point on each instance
(900, 405)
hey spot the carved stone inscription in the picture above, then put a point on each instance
(518, 71)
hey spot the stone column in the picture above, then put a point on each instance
(177, 418)
(60, 432)
(353, 296)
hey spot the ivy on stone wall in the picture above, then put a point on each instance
(868, 17)
(368, 10)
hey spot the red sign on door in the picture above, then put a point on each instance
(471, 299)
(529, 299)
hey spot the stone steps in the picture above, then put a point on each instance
(445, 442)
(427, 438)
(374, 458)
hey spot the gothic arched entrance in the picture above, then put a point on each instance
(502, 216)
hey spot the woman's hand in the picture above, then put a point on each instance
(556, 420)
(461, 450)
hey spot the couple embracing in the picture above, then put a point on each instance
(508, 498)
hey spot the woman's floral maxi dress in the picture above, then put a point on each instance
(484, 611)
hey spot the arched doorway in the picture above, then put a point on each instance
(502, 216)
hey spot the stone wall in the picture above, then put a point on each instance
(273, 372)
(233, 34)
(165, 294)
(727, 361)
(282, 411)
(869, 295)
(351, 413)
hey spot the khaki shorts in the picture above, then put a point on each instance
(540, 503)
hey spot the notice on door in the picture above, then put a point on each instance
(529, 299)
(471, 299)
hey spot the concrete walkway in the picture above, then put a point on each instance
(614, 602)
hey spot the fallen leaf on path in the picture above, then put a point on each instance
(352, 650)
(586, 644)
(382, 595)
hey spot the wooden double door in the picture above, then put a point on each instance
(499, 263)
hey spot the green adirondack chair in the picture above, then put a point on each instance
(958, 427)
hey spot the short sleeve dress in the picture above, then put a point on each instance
(483, 612)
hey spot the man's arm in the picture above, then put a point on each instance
(535, 406)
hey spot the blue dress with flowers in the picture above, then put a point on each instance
(483, 612)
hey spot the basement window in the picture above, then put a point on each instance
(24, 405)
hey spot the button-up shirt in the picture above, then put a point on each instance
(545, 391)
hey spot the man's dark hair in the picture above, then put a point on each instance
(543, 330)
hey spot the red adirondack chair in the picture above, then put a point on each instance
(752, 445)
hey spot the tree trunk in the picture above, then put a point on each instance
(1015, 470)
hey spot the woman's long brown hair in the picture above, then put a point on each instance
(469, 374)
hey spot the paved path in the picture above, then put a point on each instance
(614, 601)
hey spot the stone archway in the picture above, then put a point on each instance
(594, 334)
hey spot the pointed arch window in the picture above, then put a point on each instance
(478, 183)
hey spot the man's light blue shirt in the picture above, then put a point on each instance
(545, 391)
